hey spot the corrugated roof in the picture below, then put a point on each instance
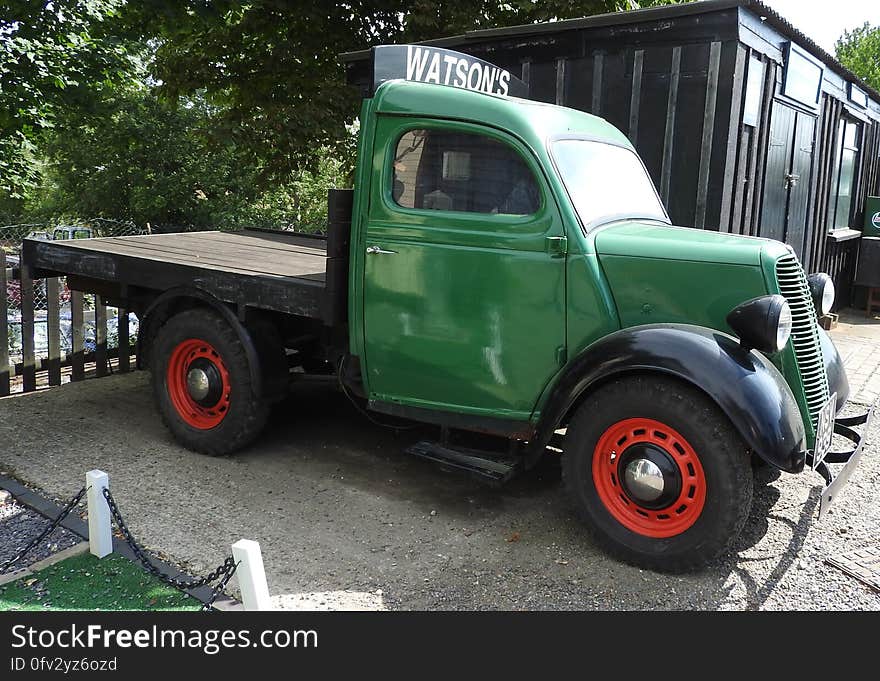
(785, 26)
(771, 16)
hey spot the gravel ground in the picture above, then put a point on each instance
(347, 520)
(19, 526)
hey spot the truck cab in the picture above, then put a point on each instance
(507, 268)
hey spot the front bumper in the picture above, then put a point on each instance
(850, 458)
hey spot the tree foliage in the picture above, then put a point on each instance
(273, 67)
(136, 158)
(199, 112)
(859, 51)
(52, 55)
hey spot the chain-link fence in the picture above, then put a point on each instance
(11, 237)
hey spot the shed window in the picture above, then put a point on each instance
(465, 172)
(803, 76)
(845, 174)
(754, 92)
(857, 96)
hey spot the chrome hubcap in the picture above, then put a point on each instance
(198, 384)
(644, 479)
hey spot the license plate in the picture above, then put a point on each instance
(825, 431)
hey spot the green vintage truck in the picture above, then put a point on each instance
(505, 270)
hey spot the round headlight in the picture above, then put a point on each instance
(822, 290)
(762, 323)
(783, 326)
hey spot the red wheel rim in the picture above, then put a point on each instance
(675, 517)
(198, 414)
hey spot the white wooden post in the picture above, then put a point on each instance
(100, 532)
(251, 575)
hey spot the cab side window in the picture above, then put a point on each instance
(464, 172)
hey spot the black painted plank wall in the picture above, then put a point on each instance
(672, 103)
(676, 87)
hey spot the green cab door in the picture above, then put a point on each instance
(464, 278)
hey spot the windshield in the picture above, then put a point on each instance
(606, 182)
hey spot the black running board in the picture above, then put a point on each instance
(478, 463)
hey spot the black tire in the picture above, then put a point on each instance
(723, 457)
(244, 417)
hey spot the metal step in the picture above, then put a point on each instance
(476, 462)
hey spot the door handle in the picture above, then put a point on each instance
(378, 250)
(556, 246)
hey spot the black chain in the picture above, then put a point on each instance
(224, 572)
(226, 569)
(221, 585)
(46, 532)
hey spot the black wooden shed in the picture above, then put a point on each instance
(745, 123)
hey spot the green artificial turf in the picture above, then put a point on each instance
(84, 582)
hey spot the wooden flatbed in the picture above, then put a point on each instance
(272, 270)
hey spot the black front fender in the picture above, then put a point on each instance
(837, 380)
(745, 385)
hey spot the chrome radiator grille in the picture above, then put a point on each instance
(805, 333)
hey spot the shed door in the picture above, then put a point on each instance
(787, 178)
